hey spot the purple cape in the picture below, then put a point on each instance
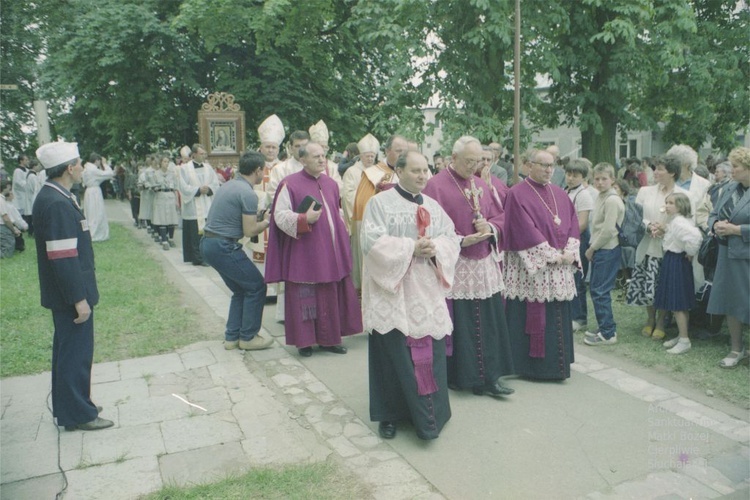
(313, 257)
(529, 223)
(443, 188)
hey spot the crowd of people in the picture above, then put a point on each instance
(462, 273)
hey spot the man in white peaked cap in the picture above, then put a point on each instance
(67, 283)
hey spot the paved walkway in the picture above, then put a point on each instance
(605, 433)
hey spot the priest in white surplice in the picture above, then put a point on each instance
(197, 184)
(410, 250)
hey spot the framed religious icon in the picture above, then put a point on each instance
(221, 129)
(222, 137)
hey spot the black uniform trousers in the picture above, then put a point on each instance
(72, 356)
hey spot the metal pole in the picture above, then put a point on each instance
(517, 96)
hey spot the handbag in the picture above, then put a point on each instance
(708, 254)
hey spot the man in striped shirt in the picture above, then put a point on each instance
(67, 283)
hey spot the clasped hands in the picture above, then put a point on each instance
(566, 258)
(425, 248)
(657, 229)
(725, 228)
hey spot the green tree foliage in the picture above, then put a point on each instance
(21, 42)
(306, 61)
(131, 82)
(699, 85)
(596, 70)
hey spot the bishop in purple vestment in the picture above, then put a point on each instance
(481, 345)
(541, 240)
(309, 251)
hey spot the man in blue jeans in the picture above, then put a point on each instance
(232, 216)
(604, 253)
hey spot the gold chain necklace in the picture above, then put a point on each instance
(555, 217)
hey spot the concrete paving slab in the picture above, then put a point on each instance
(126, 480)
(123, 443)
(200, 431)
(153, 409)
(197, 359)
(403, 491)
(105, 372)
(34, 488)
(39, 458)
(658, 485)
(111, 394)
(151, 365)
(734, 466)
(20, 428)
(180, 382)
(203, 465)
(214, 399)
(30, 385)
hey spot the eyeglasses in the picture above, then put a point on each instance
(545, 165)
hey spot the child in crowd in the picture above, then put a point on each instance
(575, 173)
(674, 290)
(605, 254)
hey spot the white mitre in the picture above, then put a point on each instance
(368, 144)
(271, 130)
(319, 133)
(185, 153)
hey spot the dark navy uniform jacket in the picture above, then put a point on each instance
(65, 256)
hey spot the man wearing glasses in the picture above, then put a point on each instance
(541, 240)
(481, 345)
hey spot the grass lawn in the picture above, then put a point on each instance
(139, 313)
(314, 481)
(698, 367)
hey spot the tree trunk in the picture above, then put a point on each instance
(600, 147)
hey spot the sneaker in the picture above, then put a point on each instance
(256, 344)
(165, 245)
(590, 334)
(671, 342)
(578, 326)
(600, 340)
(680, 348)
(231, 344)
(172, 244)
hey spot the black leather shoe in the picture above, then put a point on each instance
(94, 425)
(496, 389)
(305, 352)
(336, 349)
(387, 430)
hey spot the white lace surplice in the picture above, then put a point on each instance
(477, 279)
(528, 276)
(400, 291)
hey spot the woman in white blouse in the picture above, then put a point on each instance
(649, 254)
